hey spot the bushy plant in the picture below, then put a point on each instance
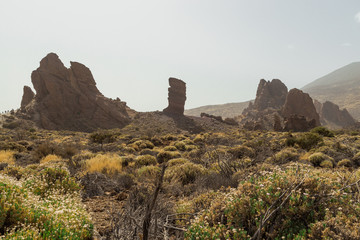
(242, 151)
(287, 204)
(7, 156)
(165, 156)
(185, 173)
(323, 131)
(285, 155)
(145, 160)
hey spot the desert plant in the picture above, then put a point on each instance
(104, 163)
(145, 160)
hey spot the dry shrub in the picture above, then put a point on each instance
(165, 156)
(145, 160)
(7, 156)
(320, 159)
(242, 151)
(185, 173)
(50, 158)
(285, 155)
(108, 163)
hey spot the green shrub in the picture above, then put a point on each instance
(177, 161)
(317, 158)
(145, 160)
(148, 171)
(102, 137)
(323, 131)
(308, 140)
(298, 199)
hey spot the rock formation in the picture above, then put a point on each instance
(270, 94)
(277, 109)
(177, 97)
(69, 99)
(298, 123)
(27, 97)
(330, 114)
(300, 104)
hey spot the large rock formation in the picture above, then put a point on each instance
(69, 99)
(177, 97)
(277, 109)
(28, 96)
(330, 114)
(270, 94)
(300, 104)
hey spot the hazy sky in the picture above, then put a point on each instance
(220, 48)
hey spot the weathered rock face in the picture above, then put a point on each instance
(330, 112)
(300, 104)
(69, 99)
(27, 97)
(270, 94)
(177, 97)
(298, 123)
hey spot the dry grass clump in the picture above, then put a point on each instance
(108, 163)
(242, 151)
(7, 156)
(51, 158)
(185, 173)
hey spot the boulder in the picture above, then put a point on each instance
(299, 104)
(177, 97)
(68, 99)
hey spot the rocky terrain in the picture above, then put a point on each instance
(227, 110)
(69, 99)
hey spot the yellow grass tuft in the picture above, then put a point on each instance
(108, 163)
(50, 158)
(7, 157)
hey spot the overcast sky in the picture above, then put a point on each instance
(220, 48)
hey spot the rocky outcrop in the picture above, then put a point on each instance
(270, 94)
(277, 109)
(300, 104)
(298, 123)
(177, 97)
(331, 114)
(69, 99)
(28, 96)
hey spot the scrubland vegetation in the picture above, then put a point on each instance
(232, 184)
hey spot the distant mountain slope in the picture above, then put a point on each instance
(341, 87)
(224, 110)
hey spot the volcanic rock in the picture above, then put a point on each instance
(298, 123)
(300, 104)
(27, 97)
(270, 94)
(68, 99)
(177, 97)
(330, 112)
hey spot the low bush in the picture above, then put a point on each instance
(165, 156)
(323, 131)
(145, 160)
(108, 163)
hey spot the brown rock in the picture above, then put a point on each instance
(330, 112)
(27, 97)
(300, 104)
(177, 97)
(69, 99)
(270, 94)
(298, 123)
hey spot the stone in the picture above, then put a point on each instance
(330, 112)
(68, 99)
(299, 104)
(298, 123)
(177, 97)
(28, 96)
(270, 94)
